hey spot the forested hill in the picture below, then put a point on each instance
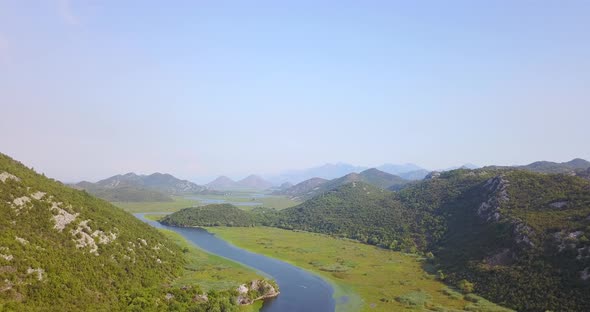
(521, 237)
(65, 250)
(314, 187)
(210, 215)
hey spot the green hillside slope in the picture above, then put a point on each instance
(62, 249)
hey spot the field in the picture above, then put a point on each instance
(277, 202)
(374, 279)
(177, 204)
(211, 272)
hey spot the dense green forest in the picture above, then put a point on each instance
(64, 250)
(210, 215)
(517, 237)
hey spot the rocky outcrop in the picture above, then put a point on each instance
(505, 257)
(432, 175)
(490, 209)
(585, 275)
(559, 204)
(7, 176)
(256, 290)
(523, 234)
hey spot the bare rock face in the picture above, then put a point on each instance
(559, 204)
(432, 175)
(490, 209)
(585, 275)
(256, 290)
(522, 234)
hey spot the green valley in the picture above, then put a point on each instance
(488, 228)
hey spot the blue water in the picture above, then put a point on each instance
(300, 290)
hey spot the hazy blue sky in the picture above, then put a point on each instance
(199, 88)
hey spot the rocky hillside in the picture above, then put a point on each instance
(64, 249)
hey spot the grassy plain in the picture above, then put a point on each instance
(179, 202)
(372, 279)
(211, 272)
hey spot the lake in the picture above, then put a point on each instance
(300, 289)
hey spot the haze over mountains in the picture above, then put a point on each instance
(251, 182)
(159, 187)
(137, 188)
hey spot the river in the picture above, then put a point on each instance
(300, 289)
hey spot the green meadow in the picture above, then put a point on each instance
(372, 279)
(175, 205)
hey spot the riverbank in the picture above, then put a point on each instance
(384, 280)
(300, 289)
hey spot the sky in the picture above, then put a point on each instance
(89, 89)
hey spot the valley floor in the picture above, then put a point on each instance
(364, 277)
(241, 200)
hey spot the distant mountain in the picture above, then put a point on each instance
(569, 167)
(552, 167)
(305, 189)
(222, 183)
(161, 182)
(415, 175)
(316, 186)
(371, 176)
(399, 169)
(327, 171)
(64, 250)
(251, 182)
(254, 182)
(406, 171)
(131, 187)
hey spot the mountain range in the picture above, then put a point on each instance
(251, 182)
(315, 186)
(329, 171)
(132, 187)
(569, 167)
